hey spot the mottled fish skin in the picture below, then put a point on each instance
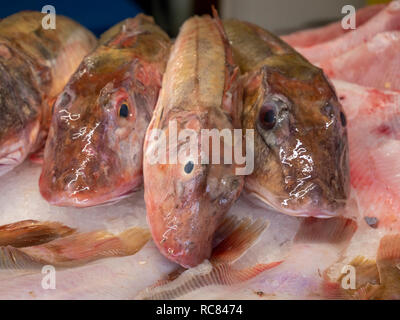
(301, 150)
(35, 64)
(94, 151)
(200, 91)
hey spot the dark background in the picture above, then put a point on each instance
(99, 15)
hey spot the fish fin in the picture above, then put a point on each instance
(85, 247)
(366, 274)
(388, 262)
(14, 259)
(226, 227)
(241, 238)
(203, 275)
(31, 232)
(233, 89)
(334, 230)
(366, 271)
(389, 249)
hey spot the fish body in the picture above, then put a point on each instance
(186, 201)
(300, 143)
(94, 151)
(35, 64)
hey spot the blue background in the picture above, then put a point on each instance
(97, 16)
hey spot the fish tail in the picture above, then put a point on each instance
(27, 233)
(334, 230)
(242, 235)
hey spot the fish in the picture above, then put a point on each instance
(301, 164)
(314, 36)
(187, 200)
(387, 19)
(93, 154)
(374, 141)
(35, 64)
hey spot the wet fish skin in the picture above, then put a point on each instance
(200, 91)
(34, 65)
(94, 153)
(301, 160)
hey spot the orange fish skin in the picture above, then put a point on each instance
(94, 151)
(35, 64)
(200, 91)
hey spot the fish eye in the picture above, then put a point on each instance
(267, 117)
(123, 110)
(189, 167)
(343, 119)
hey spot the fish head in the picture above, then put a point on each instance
(301, 148)
(187, 197)
(93, 154)
(20, 109)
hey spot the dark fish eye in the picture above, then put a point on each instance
(189, 167)
(343, 119)
(267, 116)
(123, 110)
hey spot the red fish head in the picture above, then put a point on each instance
(93, 154)
(301, 147)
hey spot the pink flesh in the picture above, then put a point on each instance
(311, 37)
(374, 142)
(373, 63)
(386, 20)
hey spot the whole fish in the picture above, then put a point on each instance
(93, 154)
(186, 201)
(35, 64)
(301, 154)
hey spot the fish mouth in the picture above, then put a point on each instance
(88, 197)
(305, 210)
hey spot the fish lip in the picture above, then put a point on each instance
(307, 211)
